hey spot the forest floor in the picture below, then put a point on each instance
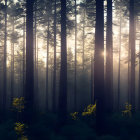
(45, 127)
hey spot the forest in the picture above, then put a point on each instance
(69, 70)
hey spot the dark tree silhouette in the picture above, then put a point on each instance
(63, 69)
(119, 67)
(35, 48)
(84, 22)
(54, 69)
(75, 70)
(12, 62)
(5, 60)
(99, 64)
(29, 94)
(109, 59)
(139, 80)
(132, 52)
(23, 56)
(47, 59)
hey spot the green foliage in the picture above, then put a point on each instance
(128, 110)
(88, 111)
(19, 128)
(47, 127)
(74, 115)
(91, 109)
(18, 104)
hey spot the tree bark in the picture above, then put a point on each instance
(139, 80)
(5, 60)
(99, 65)
(29, 94)
(84, 40)
(109, 60)
(47, 64)
(23, 56)
(12, 66)
(75, 70)
(54, 69)
(63, 69)
(118, 103)
(132, 49)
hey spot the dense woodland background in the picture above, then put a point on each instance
(63, 55)
(33, 41)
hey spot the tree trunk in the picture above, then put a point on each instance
(92, 74)
(29, 94)
(35, 57)
(37, 87)
(63, 69)
(99, 65)
(35, 29)
(139, 80)
(54, 69)
(118, 103)
(23, 56)
(75, 70)
(47, 64)
(84, 40)
(132, 48)
(109, 60)
(12, 67)
(5, 61)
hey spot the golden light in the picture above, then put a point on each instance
(104, 53)
(41, 51)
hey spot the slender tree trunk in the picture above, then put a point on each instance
(51, 73)
(47, 64)
(23, 56)
(35, 34)
(128, 74)
(29, 94)
(84, 40)
(37, 87)
(20, 78)
(92, 74)
(99, 65)
(5, 61)
(109, 59)
(75, 71)
(54, 69)
(132, 48)
(139, 80)
(63, 69)
(12, 66)
(118, 104)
